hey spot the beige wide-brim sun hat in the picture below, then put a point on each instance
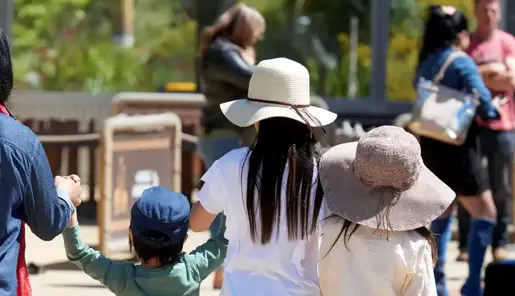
(278, 88)
(383, 172)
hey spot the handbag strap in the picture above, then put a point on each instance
(448, 62)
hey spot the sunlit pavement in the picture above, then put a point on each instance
(62, 278)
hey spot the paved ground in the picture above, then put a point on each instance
(62, 278)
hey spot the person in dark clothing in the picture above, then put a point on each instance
(446, 32)
(29, 193)
(228, 57)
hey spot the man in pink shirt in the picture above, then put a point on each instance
(494, 52)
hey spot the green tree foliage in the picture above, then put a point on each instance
(332, 18)
(166, 37)
(334, 15)
(67, 45)
(404, 46)
(56, 45)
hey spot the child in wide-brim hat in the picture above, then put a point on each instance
(381, 197)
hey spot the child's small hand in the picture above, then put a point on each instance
(73, 220)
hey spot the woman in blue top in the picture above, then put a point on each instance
(458, 166)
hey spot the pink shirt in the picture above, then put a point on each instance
(496, 50)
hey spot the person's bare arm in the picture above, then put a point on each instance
(500, 80)
(200, 218)
(490, 69)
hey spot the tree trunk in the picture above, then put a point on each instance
(123, 22)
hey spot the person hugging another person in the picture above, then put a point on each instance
(158, 230)
(493, 50)
(381, 196)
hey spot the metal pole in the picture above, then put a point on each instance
(509, 16)
(353, 85)
(291, 17)
(380, 26)
(6, 17)
(504, 15)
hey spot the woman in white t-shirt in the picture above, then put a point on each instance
(268, 192)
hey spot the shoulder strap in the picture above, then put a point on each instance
(448, 62)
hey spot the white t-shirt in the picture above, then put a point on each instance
(280, 267)
(373, 264)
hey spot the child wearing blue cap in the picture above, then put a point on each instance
(158, 230)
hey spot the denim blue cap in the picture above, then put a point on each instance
(160, 209)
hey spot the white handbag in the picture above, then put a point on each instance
(443, 113)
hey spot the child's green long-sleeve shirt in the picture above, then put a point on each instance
(129, 279)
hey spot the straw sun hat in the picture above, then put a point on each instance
(383, 173)
(278, 88)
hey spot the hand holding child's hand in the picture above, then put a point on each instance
(70, 184)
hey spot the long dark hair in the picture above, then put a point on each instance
(282, 143)
(6, 69)
(349, 228)
(237, 24)
(441, 30)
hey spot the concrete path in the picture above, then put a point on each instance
(63, 278)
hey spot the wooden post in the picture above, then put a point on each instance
(124, 19)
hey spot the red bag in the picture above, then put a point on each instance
(22, 273)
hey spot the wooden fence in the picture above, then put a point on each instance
(69, 124)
